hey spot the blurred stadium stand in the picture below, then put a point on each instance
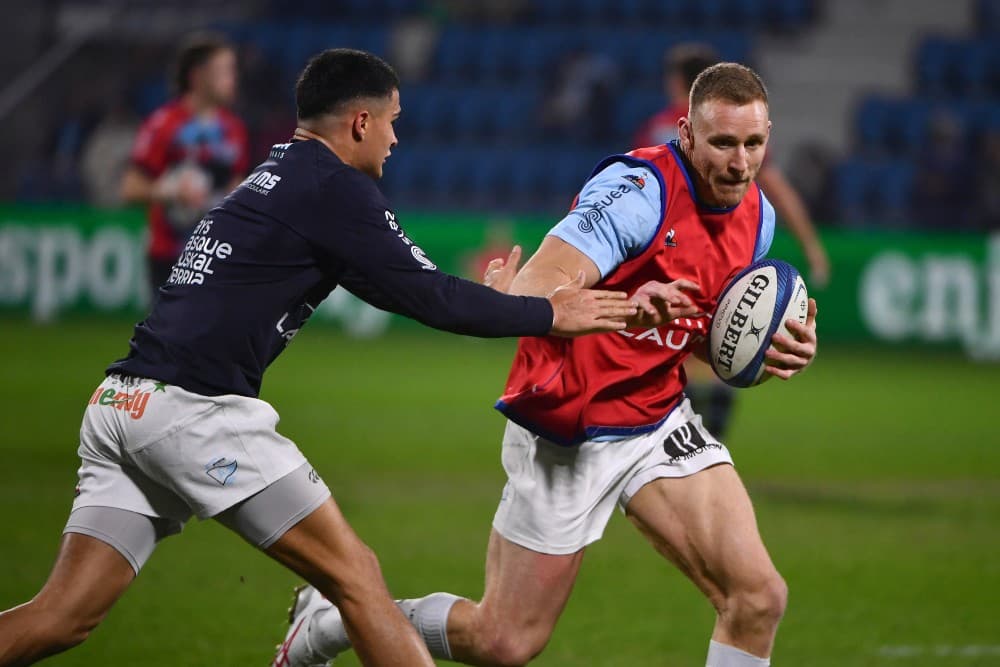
(479, 79)
(957, 84)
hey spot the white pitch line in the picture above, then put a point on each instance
(904, 651)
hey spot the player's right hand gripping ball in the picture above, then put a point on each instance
(751, 309)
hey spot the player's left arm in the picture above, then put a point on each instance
(792, 210)
(789, 355)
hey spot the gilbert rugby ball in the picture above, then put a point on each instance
(753, 307)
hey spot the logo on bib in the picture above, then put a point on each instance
(686, 442)
(637, 181)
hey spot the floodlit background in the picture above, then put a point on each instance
(874, 474)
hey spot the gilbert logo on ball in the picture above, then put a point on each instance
(751, 309)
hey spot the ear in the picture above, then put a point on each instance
(685, 133)
(359, 126)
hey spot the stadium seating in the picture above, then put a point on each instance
(500, 178)
(875, 191)
(369, 11)
(988, 17)
(950, 67)
(289, 44)
(957, 85)
(529, 54)
(737, 14)
(487, 85)
(471, 129)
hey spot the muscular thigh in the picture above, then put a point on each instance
(705, 525)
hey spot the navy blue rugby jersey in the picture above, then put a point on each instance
(257, 266)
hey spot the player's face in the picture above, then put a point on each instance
(725, 143)
(380, 136)
(219, 77)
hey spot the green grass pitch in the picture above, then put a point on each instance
(876, 478)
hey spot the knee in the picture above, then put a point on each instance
(761, 604)
(357, 577)
(364, 563)
(509, 647)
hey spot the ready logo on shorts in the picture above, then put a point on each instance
(134, 403)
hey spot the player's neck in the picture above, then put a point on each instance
(338, 148)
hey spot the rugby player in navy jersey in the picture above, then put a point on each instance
(176, 429)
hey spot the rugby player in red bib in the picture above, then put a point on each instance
(712, 398)
(603, 421)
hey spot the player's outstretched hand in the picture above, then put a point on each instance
(660, 303)
(790, 355)
(577, 311)
(499, 274)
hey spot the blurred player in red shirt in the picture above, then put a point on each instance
(189, 152)
(683, 63)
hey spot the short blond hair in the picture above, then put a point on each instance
(730, 82)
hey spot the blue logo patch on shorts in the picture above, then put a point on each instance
(221, 470)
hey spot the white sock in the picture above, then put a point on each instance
(429, 615)
(326, 634)
(721, 655)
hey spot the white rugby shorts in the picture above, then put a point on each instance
(164, 452)
(559, 499)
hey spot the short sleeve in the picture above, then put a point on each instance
(765, 236)
(616, 215)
